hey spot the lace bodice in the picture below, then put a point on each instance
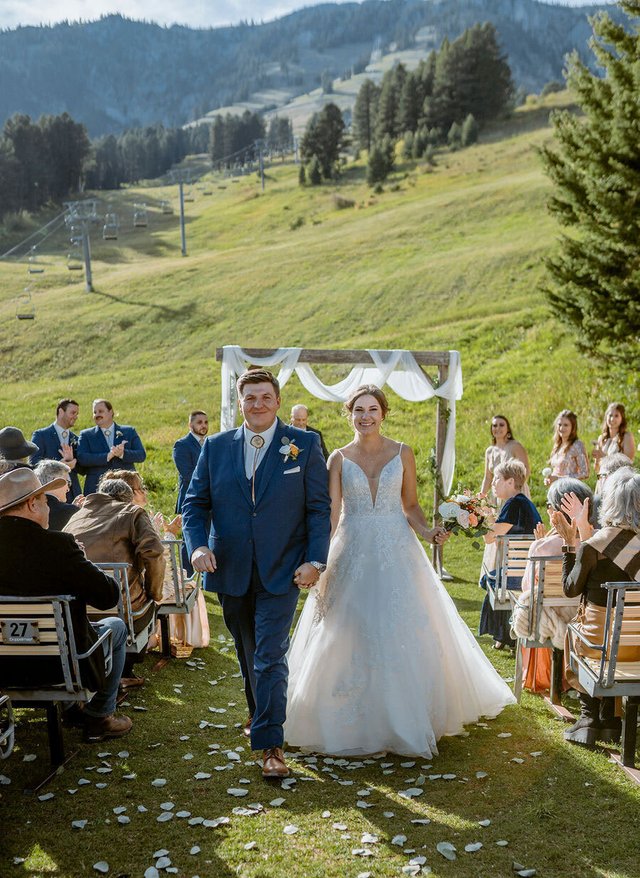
(357, 498)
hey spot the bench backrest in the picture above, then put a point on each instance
(174, 549)
(40, 627)
(622, 625)
(546, 589)
(511, 560)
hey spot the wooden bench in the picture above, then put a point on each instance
(7, 727)
(546, 593)
(33, 628)
(607, 677)
(185, 593)
(140, 623)
(511, 559)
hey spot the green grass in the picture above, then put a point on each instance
(556, 809)
(449, 258)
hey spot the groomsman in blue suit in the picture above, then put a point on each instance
(186, 452)
(256, 520)
(59, 442)
(107, 446)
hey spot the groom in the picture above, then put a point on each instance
(263, 487)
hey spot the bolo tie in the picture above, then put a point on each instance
(257, 442)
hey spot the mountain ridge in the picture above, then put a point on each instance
(116, 73)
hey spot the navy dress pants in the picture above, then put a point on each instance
(260, 623)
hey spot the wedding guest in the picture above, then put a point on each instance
(503, 447)
(112, 528)
(536, 665)
(612, 554)
(193, 628)
(299, 418)
(568, 455)
(517, 515)
(59, 442)
(52, 563)
(14, 448)
(106, 446)
(59, 510)
(615, 438)
(186, 452)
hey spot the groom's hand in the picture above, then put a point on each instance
(203, 560)
(305, 576)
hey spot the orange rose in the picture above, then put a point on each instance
(473, 519)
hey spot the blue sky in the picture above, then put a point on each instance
(195, 13)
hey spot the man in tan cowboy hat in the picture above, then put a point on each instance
(35, 561)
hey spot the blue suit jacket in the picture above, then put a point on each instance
(186, 452)
(288, 524)
(93, 450)
(49, 449)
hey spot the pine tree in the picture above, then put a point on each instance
(469, 132)
(595, 168)
(364, 113)
(324, 138)
(315, 171)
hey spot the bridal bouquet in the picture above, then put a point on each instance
(467, 513)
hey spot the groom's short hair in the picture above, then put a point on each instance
(257, 376)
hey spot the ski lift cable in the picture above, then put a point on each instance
(25, 243)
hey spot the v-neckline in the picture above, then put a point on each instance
(377, 478)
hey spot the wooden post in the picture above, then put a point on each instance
(441, 434)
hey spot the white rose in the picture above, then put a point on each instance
(463, 518)
(546, 472)
(449, 511)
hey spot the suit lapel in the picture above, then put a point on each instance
(237, 450)
(271, 461)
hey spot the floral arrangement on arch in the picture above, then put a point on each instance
(467, 513)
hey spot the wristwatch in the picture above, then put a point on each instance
(568, 550)
(320, 567)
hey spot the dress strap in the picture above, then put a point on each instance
(401, 447)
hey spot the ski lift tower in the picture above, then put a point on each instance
(181, 177)
(81, 214)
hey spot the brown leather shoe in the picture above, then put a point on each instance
(246, 731)
(97, 728)
(274, 764)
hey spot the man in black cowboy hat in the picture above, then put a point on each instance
(35, 561)
(14, 448)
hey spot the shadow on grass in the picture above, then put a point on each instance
(162, 312)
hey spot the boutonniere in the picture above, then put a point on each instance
(73, 441)
(119, 434)
(289, 450)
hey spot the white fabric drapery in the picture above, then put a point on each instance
(398, 369)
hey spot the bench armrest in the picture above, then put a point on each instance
(104, 638)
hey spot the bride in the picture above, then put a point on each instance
(380, 659)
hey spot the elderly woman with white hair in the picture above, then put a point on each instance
(59, 510)
(612, 554)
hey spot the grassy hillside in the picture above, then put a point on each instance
(444, 258)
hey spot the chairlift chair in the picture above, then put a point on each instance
(74, 256)
(188, 196)
(25, 308)
(34, 266)
(166, 207)
(140, 219)
(110, 227)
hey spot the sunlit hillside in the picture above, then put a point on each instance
(449, 257)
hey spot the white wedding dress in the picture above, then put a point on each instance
(380, 659)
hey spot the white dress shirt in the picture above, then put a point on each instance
(256, 455)
(61, 431)
(199, 439)
(108, 433)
